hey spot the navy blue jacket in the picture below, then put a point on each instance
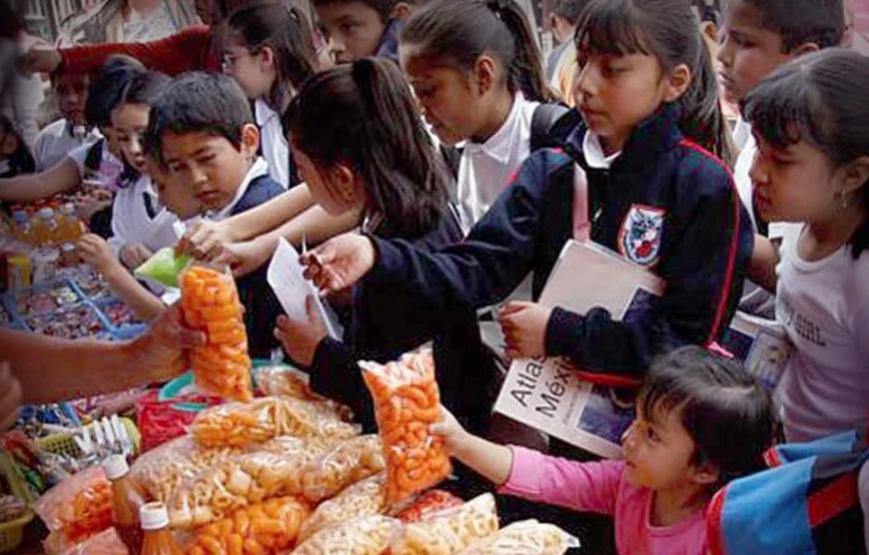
(665, 203)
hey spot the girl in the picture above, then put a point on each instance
(360, 145)
(477, 73)
(629, 179)
(812, 166)
(701, 422)
(269, 53)
(15, 157)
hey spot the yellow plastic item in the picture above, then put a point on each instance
(64, 444)
(12, 532)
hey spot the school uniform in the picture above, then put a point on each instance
(58, 139)
(138, 217)
(274, 145)
(388, 46)
(665, 204)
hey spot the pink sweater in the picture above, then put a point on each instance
(600, 487)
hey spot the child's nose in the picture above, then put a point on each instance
(758, 172)
(586, 82)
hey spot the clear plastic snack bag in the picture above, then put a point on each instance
(77, 508)
(527, 537)
(449, 531)
(366, 497)
(350, 461)
(367, 535)
(406, 404)
(284, 381)
(107, 542)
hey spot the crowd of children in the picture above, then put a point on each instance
(433, 160)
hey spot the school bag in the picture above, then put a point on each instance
(806, 503)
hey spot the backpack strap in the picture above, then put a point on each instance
(547, 129)
(94, 156)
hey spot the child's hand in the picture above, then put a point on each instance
(245, 257)
(204, 240)
(91, 204)
(524, 328)
(95, 251)
(340, 262)
(300, 338)
(450, 431)
(134, 255)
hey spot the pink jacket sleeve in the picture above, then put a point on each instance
(591, 486)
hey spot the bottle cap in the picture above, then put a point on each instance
(68, 208)
(115, 466)
(46, 213)
(20, 216)
(153, 516)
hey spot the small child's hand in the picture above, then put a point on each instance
(95, 251)
(450, 430)
(133, 255)
(524, 328)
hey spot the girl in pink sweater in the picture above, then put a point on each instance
(701, 421)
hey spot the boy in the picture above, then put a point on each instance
(71, 131)
(358, 28)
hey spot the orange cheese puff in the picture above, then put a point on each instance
(209, 302)
(406, 404)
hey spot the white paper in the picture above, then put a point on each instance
(286, 278)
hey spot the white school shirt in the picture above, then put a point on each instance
(131, 222)
(258, 169)
(597, 159)
(276, 151)
(824, 308)
(111, 167)
(56, 141)
(484, 169)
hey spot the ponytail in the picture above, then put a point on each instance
(364, 115)
(458, 32)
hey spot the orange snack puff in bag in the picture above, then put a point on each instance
(350, 461)
(266, 527)
(241, 424)
(406, 404)
(425, 505)
(449, 531)
(366, 497)
(210, 303)
(367, 535)
(527, 537)
(77, 508)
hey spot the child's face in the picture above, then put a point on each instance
(447, 98)
(253, 71)
(171, 192)
(72, 93)
(658, 452)
(794, 184)
(614, 93)
(336, 191)
(208, 165)
(129, 122)
(750, 52)
(353, 29)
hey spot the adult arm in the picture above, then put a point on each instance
(63, 176)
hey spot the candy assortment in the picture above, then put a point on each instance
(73, 322)
(118, 313)
(29, 302)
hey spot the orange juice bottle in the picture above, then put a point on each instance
(155, 523)
(69, 226)
(126, 500)
(45, 227)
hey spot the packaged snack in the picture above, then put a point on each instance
(427, 504)
(164, 267)
(78, 507)
(284, 381)
(260, 528)
(210, 303)
(406, 404)
(350, 461)
(367, 535)
(451, 530)
(366, 497)
(107, 542)
(527, 537)
(240, 424)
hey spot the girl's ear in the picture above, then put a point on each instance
(266, 56)
(484, 74)
(676, 83)
(856, 176)
(805, 48)
(705, 474)
(345, 180)
(401, 11)
(249, 140)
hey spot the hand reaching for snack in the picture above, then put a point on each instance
(133, 255)
(95, 251)
(340, 262)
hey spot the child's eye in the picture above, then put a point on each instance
(346, 28)
(651, 435)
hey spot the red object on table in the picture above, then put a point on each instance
(160, 421)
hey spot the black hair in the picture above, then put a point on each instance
(817, 99)
(382, 7)
(198, 102)
(106, 88)
(364, 115)
(281, 27)
(570, 10)
(20, 161)
(458, 32)
(669, 31)
(803, 21)
(726, 411)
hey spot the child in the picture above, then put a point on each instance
(358, 28)
(561, 65)
(701, 422)
(360, 145)
(760, 36)
(629, 179)
(15, 157)
(71, 131)
(478, 75)
(202, 131)
(269, 53)
(810, 121)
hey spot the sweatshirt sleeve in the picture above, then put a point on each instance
(587, 486)
(489, 264)
(186, 50)
(704, 272)
(334, 373)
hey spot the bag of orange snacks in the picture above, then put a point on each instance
(406, 404)
(209, 301)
